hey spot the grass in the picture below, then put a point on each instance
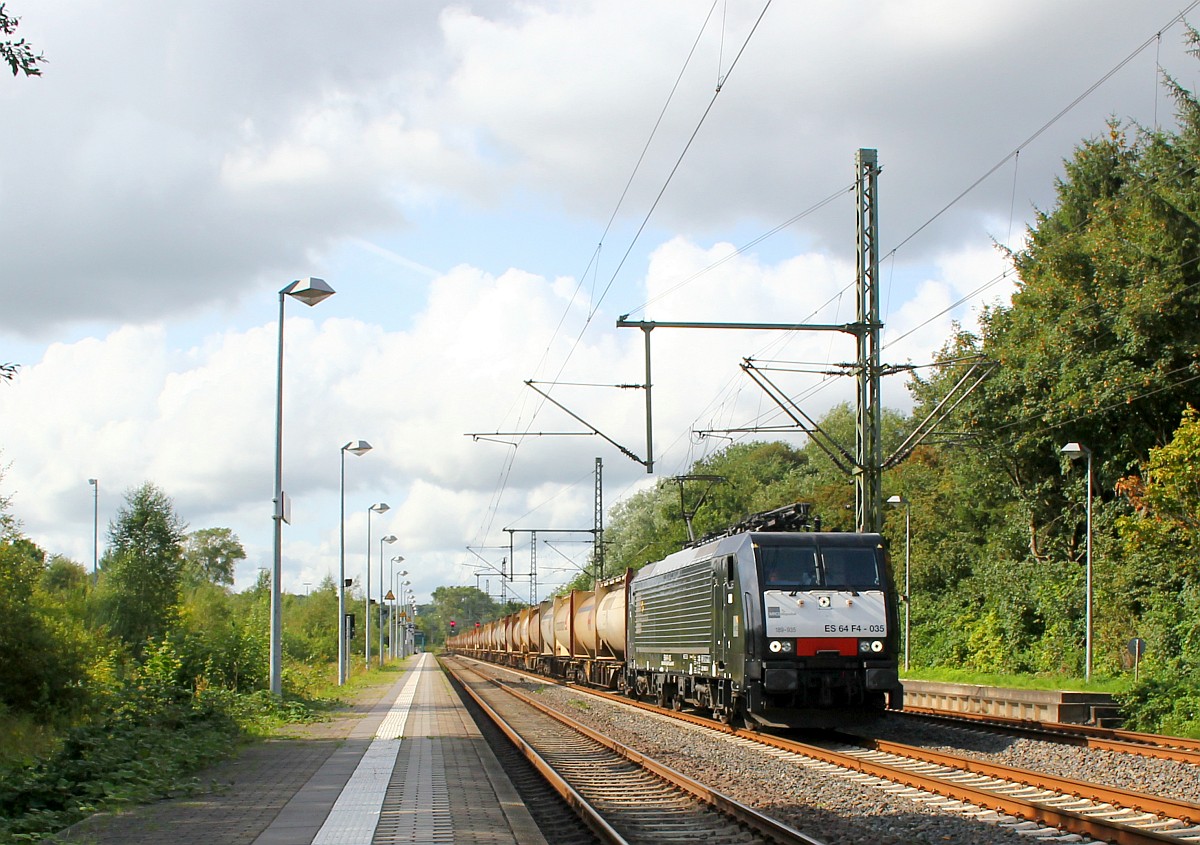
(1106, 684)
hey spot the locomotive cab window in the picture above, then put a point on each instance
(851, 567)
(788, 567)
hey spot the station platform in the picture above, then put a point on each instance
(412, 769)
(1082, 708)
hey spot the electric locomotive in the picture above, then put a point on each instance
(781, 628)
(766, 623)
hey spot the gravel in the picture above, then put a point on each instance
(843, 807)
(1180, 781)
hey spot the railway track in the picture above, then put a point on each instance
(1178, 749)
(1100, 813)
(623, 796)
(1104, 813)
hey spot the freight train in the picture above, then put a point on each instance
(771, 624)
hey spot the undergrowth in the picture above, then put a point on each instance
(148, 745)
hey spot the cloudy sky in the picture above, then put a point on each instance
(488, 186)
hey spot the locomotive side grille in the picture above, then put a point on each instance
(674, 612)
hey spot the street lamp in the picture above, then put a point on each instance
(354, 447)
(95, 482)
(401, 629)
(410, 644)
(310, 291)
(900, 500)
(390, 538)
(1074, 450)
(381, 507)
(393, 628)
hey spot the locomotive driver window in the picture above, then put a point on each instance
(788, 567)
(850, 568)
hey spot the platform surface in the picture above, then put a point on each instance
(1035, 705)
(412, 768)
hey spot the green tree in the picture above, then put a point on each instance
(211, 554)
(143, 567)
(64, 577)
(1160, 588)
(1098, 344)
(755, 477)
(464, 606)
(310, 625)
(42, 664)
(10, 526)
(18, 54)
(223, 638)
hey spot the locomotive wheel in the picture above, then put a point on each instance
(724, 716)
(677, 703)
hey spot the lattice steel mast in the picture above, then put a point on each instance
(868, 469)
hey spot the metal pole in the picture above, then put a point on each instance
(380, 602)
(869, 440)
(95, 482)
(367, 596)
(907, 592)
(276, 668)
(1087, 649)
(649, 411)
(341, 667)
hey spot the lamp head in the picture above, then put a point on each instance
(897, 500)
(1075, 450)
(93, 481)
(390, 538)
(309, 290)
(357, 447)
(381, 507)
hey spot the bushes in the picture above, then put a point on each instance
(1164, 703)
(157, 731)
(161, 726)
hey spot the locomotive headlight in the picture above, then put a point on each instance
(870, 646)
(777, 646)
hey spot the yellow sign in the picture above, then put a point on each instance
(390, 596)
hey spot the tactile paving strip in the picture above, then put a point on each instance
(442, 747)
(355, 815)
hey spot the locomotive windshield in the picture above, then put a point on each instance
(798, 567)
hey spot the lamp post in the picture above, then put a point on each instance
(310, 291)
(900, 500)
(1074, 450)
(95, 482)
(411, 645)
(380, 507)
(395, 603)
(354, 447)
(390, 538)
(402, 629)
